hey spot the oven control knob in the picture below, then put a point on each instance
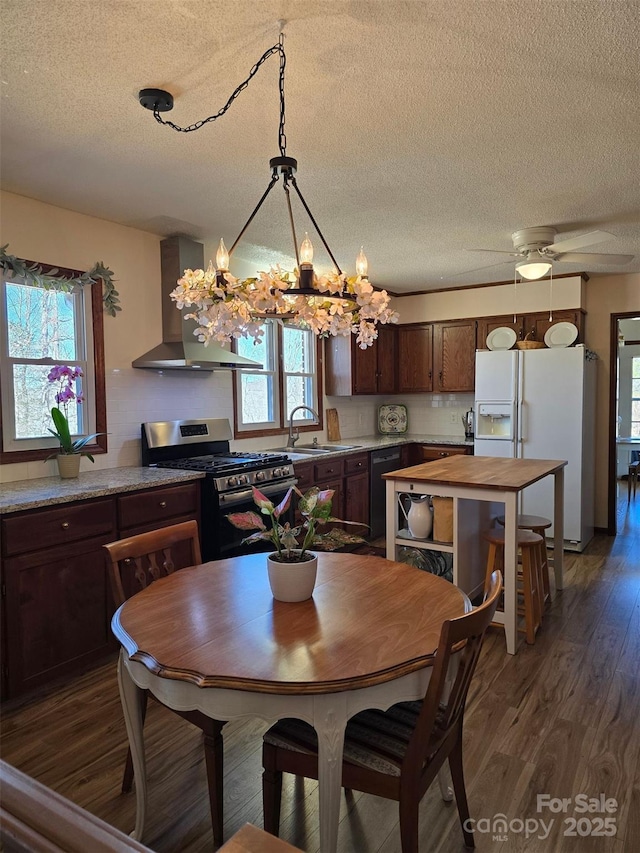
(277, 472)
(260, 476)
(242, 480)
(232, 481)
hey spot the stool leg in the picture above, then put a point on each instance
(529, 603)
(629, 476)
(545, 588)
(491, 566)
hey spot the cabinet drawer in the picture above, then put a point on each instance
(430, 452)
(356, 464)
(304, 475)
(329, 470)
(41, 529)
(157, 505)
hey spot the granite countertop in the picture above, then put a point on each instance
(47, 491)
(375, 442)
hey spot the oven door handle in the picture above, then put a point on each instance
(233, 498)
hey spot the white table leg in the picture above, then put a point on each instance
(130, 697)
(558, 528)
(330, 721)
(510, 572)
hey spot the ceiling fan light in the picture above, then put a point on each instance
(535, 266)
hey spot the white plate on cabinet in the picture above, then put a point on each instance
(501, 338)
(561, 335)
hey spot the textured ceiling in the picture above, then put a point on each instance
(422, 129)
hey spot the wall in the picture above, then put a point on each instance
(606, 295)
(52, 235)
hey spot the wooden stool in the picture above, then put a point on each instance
(537, 524)
(632, 478)
(530, 545)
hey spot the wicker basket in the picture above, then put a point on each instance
(529, 343)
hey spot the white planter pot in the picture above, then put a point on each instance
(68, 465)
(292, 581)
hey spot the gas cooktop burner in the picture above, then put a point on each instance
(227, 463)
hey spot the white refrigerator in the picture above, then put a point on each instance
(540, 404)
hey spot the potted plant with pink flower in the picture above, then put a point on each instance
(70, 450)
(293, 567)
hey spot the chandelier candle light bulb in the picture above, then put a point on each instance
(362, 265)
(222, 257)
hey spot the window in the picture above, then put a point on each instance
(635, 397)
(265, 398)
(40, 328)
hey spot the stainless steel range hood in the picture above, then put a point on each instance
(179, 349)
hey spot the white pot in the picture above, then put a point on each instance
(292, 581)
(68, 465)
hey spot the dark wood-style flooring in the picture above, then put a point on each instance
(561, 718)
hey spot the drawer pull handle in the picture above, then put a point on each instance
(65, 525)
(163, 504)
(443, 453)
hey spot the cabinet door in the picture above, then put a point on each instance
(454, 355)
(356, 502)
(365, 368)
(387, 361)
(57, 608)
(540, 323)
(488, 324)
(414, 359)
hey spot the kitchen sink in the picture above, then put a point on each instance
(317, 449)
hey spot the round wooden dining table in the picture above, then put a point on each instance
(213, 638)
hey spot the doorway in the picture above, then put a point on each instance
(624, 424)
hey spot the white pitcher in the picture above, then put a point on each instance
(420, 516)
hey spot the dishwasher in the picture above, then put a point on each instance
(382, 461)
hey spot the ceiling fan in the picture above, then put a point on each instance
(536, 248)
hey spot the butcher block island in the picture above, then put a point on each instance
(481, 488)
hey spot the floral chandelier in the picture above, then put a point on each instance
(226, 307)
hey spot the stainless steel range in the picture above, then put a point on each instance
(203, 445)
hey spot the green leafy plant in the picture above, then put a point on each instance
(66, 376)
(292, 543)
(53, 280)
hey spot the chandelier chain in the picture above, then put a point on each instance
(282, 139)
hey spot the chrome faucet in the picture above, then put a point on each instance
(294, 434)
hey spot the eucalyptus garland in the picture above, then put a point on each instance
(52, 280)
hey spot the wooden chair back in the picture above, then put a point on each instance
(443, 709)
(137, 561)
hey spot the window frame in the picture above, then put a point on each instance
(279, 393)
(99, 445)
(633, 399)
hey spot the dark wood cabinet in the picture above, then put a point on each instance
(454, 355)
(415, 358)
(56, 594)
(352, 370)
(534, 325)
(431, 452)
(348, 476)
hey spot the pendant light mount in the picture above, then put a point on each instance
(157, 100)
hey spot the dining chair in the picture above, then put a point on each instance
(133, 564)
(396, 753)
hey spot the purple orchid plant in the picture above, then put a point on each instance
(66, 376)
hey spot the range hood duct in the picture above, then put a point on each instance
(179, 349)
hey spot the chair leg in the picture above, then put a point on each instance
(127, 776)
(214, 759)
(409, 824)
(457, 777)
(271, 790)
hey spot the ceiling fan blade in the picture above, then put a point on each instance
(593, 258)
(478, 269)
(497, 252)
(578, 242)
